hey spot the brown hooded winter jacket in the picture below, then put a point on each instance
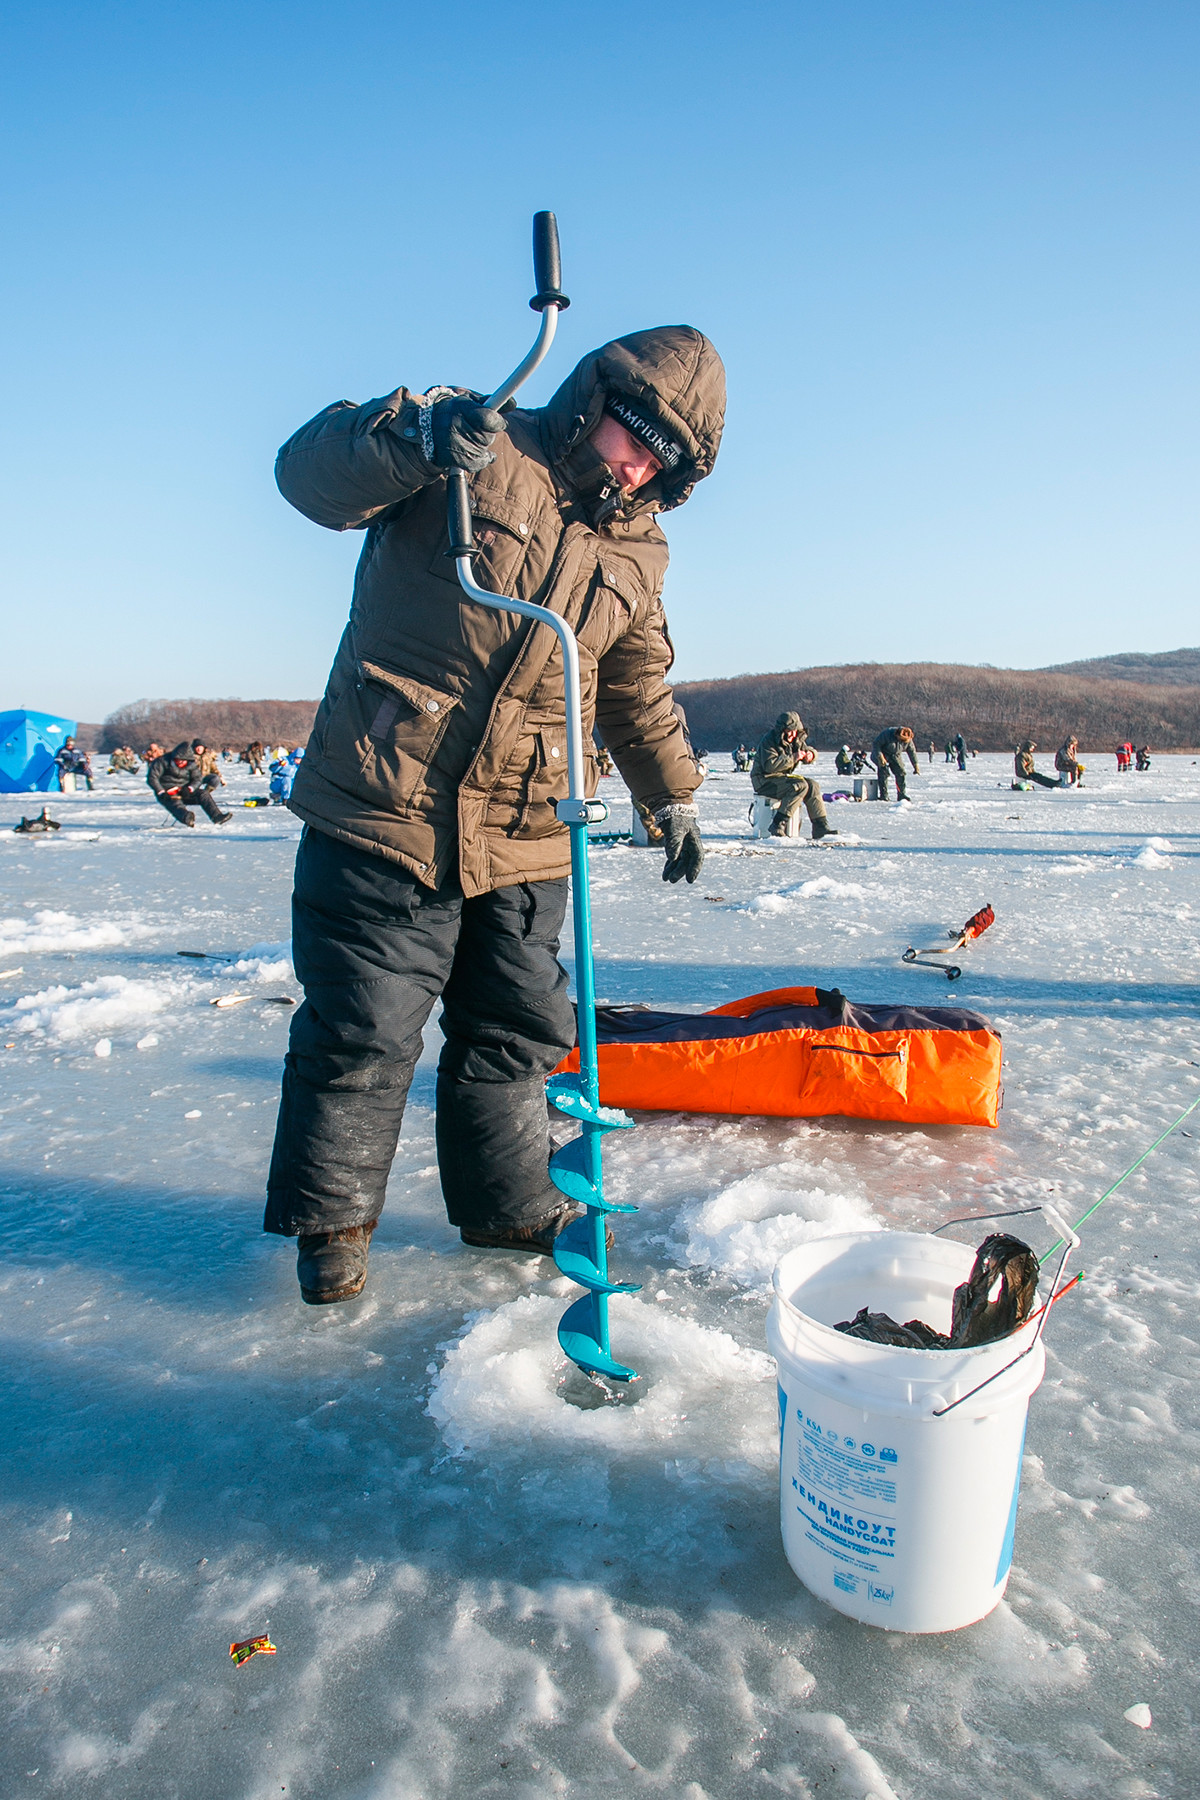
(441, 740)
(773, 757)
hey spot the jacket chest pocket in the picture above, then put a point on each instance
(610, 609)
(501, 546)
(384, 733)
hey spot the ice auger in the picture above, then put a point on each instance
(975, 927)
(581, 1250)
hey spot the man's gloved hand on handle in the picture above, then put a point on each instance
(457, 432)
(681, 832)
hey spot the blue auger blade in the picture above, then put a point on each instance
(569, 1173)
(565, 1092)
(573, 1253)
(577, 1336)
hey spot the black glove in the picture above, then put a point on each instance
(463, 432)
(681, 832)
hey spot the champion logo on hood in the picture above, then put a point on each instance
(668, 452)
(672, 378)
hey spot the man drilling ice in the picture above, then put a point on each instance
(433, 863)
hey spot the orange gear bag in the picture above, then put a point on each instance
(802, 1053)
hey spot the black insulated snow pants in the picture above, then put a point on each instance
(373, 950)
(177, 803)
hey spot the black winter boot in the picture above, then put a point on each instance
(822, 828)
(533, 1240)
(332, 1265)
(210, 806)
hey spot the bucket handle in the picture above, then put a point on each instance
(1070, 1242)
(978, 1218)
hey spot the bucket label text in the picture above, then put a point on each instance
(843, 1467)
(845, 1525)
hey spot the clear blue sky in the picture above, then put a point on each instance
(948, 251)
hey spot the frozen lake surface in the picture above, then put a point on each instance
(476, 1587)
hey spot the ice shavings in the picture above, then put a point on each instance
(1154, 855)
(743, 1231)
(264, 962)
(64, 931)
(66, 1014)
(821, 887)
(705, 1395)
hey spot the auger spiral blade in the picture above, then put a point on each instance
(566, 1092)
(581, 1248)
(571, 1173)
(575, 1254)
(579, 1333)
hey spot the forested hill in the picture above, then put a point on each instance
(1152, 700)
(993, 708)
(1170, 668)
(218, 722)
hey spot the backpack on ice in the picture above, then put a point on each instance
(802, 1053)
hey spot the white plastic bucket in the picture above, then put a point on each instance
(891, 1514)
(66, 782)
(763, 817)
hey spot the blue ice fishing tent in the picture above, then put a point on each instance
(29, 743)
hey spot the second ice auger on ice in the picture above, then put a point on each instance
(581, 1250)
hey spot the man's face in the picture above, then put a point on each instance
(68, 743)
(789, 737)
(628, 458)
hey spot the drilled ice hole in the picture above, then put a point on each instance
(588, 1392)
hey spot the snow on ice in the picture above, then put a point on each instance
(743, 1231)
(821, 887)
(481, 1578)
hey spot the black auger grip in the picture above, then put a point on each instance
(458, 515)
(547, 267)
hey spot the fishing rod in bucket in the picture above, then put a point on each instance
(581, 1249)
(1067, 1242)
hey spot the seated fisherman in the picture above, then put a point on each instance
(1023, 767)
(1068, 764)
(73, 761)
(177, 782)
(776, 761)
